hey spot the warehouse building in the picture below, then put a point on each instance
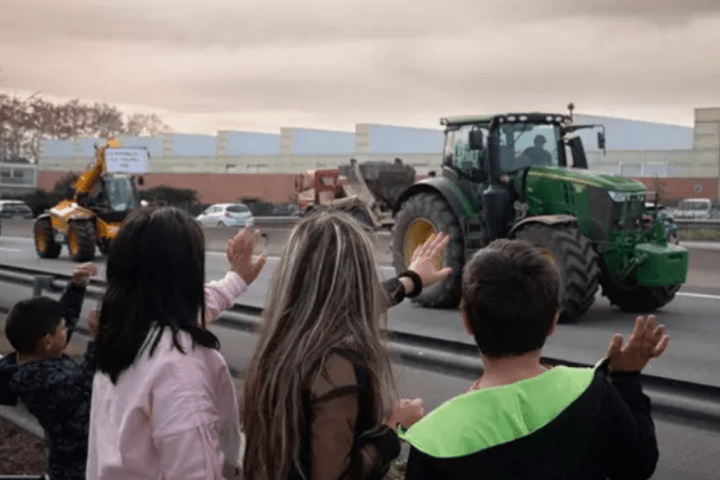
(679, 161)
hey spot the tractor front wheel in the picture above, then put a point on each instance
(577, 261)
(638, 299)
(419, 217)
(45, 245)
(81, 240)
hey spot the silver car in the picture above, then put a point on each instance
(227, 215)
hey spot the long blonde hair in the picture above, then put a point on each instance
(325, 294)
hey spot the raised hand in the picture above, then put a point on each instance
(240, 255)
(406, 413)
(423, 259)
(645, 342)
(82, 273)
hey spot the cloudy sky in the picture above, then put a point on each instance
(208, 65)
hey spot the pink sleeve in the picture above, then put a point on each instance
(220, 295)
(192, 454)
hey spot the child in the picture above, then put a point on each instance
(520, 419)
(52, 386)
(163, 402)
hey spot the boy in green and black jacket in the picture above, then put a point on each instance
(522, 420)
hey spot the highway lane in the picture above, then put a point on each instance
(691, 318)
(687, 450)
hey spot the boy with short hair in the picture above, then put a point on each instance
(53, 387)
(521, 419)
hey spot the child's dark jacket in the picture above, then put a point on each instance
(57, 392)
(568, 423)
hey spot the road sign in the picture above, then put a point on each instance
(698, 188)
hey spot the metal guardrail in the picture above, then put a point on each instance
(687, 400)
(698, 222)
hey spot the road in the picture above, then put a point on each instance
(687, 450)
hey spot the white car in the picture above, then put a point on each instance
(226, 215)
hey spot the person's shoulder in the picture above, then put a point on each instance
(335, 372)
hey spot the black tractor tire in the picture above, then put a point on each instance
(361, 215)
(639, 299)
(83, 250)
(577, 261)
(44, 237)
(433, 209)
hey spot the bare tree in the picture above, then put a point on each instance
(25, 123)
(142, 124)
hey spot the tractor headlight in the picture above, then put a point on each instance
(617, 196)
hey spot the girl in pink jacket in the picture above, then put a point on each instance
(163, 402)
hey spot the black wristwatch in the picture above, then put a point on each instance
(417, 283)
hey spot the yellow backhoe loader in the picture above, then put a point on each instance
(104, 196)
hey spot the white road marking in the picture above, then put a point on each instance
(16, 239)
(10, 249)
(699, 295)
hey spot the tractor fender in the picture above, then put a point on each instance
(459, 202)
(545, 220)
(42, 216)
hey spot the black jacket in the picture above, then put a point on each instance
(568, 423)
(57, 392)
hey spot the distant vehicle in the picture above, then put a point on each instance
(227, 215)
(694, 208)
(15, 209)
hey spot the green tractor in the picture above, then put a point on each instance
(525, 176)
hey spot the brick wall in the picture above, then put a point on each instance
(277, 188)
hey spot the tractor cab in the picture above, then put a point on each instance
(113, 197)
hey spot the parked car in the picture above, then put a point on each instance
(671, 228)
(15, 209)
(227, 215)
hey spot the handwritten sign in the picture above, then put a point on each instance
(126, 160)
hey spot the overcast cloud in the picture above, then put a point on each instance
(244, 64)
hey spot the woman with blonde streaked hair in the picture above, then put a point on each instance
(317, 390)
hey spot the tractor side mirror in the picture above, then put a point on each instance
(476, 140)
(141, 181)
(601, 141)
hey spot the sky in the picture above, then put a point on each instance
(258, 65)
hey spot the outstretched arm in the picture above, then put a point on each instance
(220, 295)
(423, 264)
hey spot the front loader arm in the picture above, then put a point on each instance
(87, 181)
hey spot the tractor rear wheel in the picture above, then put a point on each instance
(419, 217)
(638, 299)
(81, 240)
(577, 261)
(45, 245)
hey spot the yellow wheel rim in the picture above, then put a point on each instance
(418, 233)
(40, 242)
(73, 243)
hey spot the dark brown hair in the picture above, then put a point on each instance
(510, 297)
